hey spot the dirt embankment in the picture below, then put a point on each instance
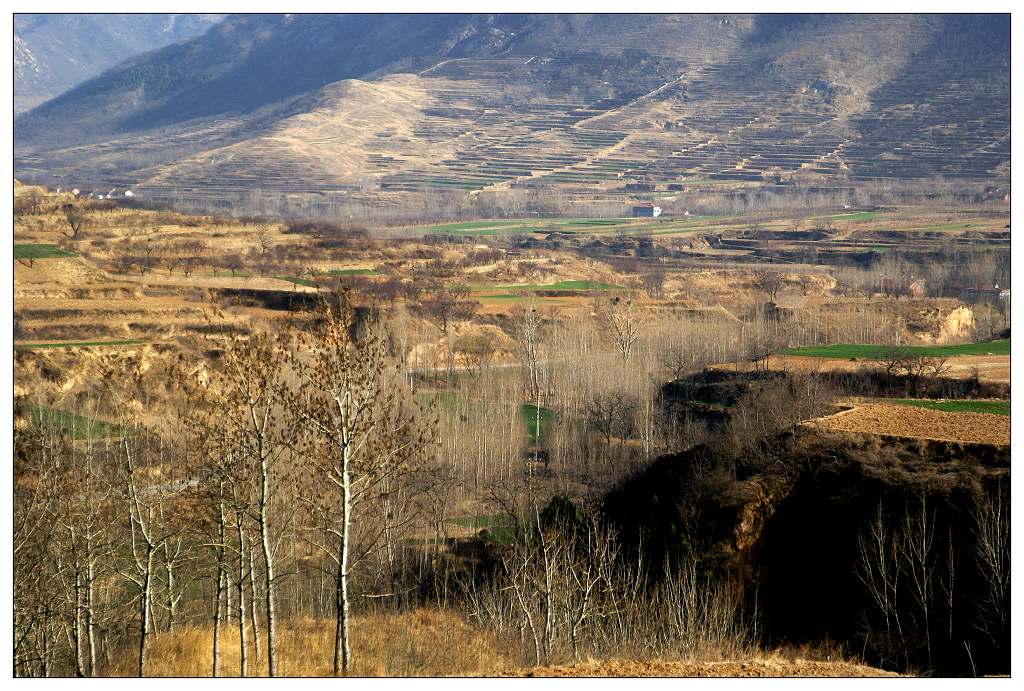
(920, 423)
(771, 667)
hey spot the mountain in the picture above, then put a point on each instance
(54, 52)
(374, 107)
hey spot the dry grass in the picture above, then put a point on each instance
(755, 667)
(416, 644)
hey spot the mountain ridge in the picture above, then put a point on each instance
(592, 104)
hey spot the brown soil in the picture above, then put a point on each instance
(772, 667)
(920, 423)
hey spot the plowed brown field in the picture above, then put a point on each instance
(920, 423)
(661, 668)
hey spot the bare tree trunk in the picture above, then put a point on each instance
(219, 591)
(268, 568)
(218, 596)
(243, 646)
(79, 624)
(342, 651)
(252, 605)
(172, 603)
(147, 590)
(90, 622)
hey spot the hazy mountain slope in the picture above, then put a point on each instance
(379, 105)
(54, 52)
(250, 61)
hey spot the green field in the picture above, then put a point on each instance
(855, 216)
(993, 407)
(76, 344)
(529, 412)
(499, 527)
(590, 226)
(353, 272)
(459, 403)
(295, 280)
(75, 426)
(447, 399)
(853, 351)
(560, 285)
(505, 226)
(39, 251)
(228, 274)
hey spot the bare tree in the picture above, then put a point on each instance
(143, 501)
(526, 329)
(363, 435)
(75, 217)
(769, 282)
(919, 371)
(654, 283)
(878, 570)
(477, 350)
(263, 241)
(611, 414)
(246, 395)
(446, 306)
(620, 322)
(992, 525)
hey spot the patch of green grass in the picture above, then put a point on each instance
(40, 251)
(499, 527)
(849, 351)
(229, 274)
(993, 407)
(563, 285)
(76, 344)
(447, 399)
(512, 297)
(75, 426)
(497, 226)
(536, 427)
(353, 272)
(296, 280)
(856, 216)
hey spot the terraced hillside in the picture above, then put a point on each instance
(591, 106)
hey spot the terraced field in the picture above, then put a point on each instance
(852, 351)
(39, 251)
